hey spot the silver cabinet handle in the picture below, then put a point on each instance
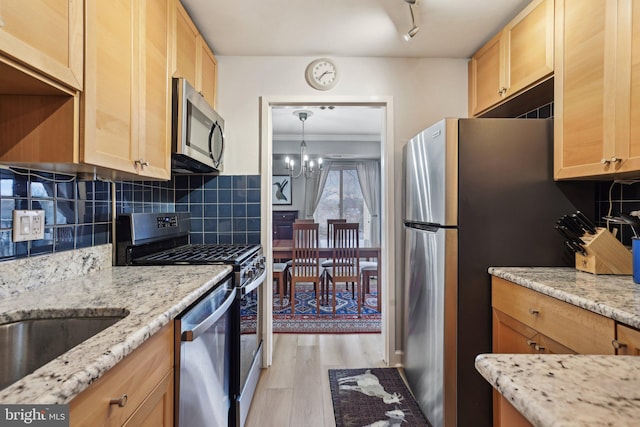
(531, 343)
(121, 401)
(538, 347)
(613, 159)
(617, 344)
(141, 162)
(534, 312)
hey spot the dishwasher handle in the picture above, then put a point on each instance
(200, 328)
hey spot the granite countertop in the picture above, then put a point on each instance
(567, 390)
(152, 297)
(572, 390)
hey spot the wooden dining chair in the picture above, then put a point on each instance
(305, 264)
(329, 262)
(330, 223)
(346, 260)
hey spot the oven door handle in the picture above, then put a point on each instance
(254, 284)
(200, 328)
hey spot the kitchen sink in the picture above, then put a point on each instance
(28, 344)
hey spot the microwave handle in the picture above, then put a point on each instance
(211, 132)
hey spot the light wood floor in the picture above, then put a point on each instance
(294, 391)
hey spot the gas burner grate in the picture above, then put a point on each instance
(202, 253)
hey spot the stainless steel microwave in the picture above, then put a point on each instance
(197, 132)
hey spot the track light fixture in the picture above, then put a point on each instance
(414, 28)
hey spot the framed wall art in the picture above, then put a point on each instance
(281, 191)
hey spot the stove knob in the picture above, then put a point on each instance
(251, 273)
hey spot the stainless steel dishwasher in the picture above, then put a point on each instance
(203, 359)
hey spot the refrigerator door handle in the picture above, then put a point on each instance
(425, 226)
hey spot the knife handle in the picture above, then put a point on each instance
(584, 222)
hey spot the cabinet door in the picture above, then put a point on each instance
(584, 71)
(512, 336)
(628, 87)
(109, 104)
(485, 80)
(185, 45)
(45, 35)
(157, 409)
(208, 72)
(529, 46)
(628, 341)
(155, 113)
(143, 377)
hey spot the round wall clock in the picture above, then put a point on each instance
(322, 74)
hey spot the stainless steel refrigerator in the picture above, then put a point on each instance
(478, 193)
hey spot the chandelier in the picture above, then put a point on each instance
(308, 168)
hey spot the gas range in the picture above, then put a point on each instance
(162, 239)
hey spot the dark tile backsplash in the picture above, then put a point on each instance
(625, 198)
(224, 209)
(77, 213)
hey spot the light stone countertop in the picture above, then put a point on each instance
(572, 390)
(152, 296)
(567, 390)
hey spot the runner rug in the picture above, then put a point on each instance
(373, 397)
(307, 319)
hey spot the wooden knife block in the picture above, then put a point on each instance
(605, 254)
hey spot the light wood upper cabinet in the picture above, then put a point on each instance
(126, 104)
(597, 89)
(517, 58)
(45, 35)
(193, 57)
(186, 45)
(208, 73)
(485, 76)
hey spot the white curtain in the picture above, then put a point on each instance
(369, 177)
(313, 190)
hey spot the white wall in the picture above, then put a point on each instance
(423, 91)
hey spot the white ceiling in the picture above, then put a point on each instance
(354, 28)
(351, 28)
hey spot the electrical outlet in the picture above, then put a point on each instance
(28, 225)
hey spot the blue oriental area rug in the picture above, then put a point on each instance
(308, 321)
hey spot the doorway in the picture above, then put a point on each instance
(276, 139)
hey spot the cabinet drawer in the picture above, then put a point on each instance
(580, 330)
(137, 375)
(285, 216)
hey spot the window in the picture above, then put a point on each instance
(342, 198)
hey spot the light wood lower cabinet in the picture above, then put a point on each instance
(627, 341)
(526, 321)
(580, 330)
(142, 381)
